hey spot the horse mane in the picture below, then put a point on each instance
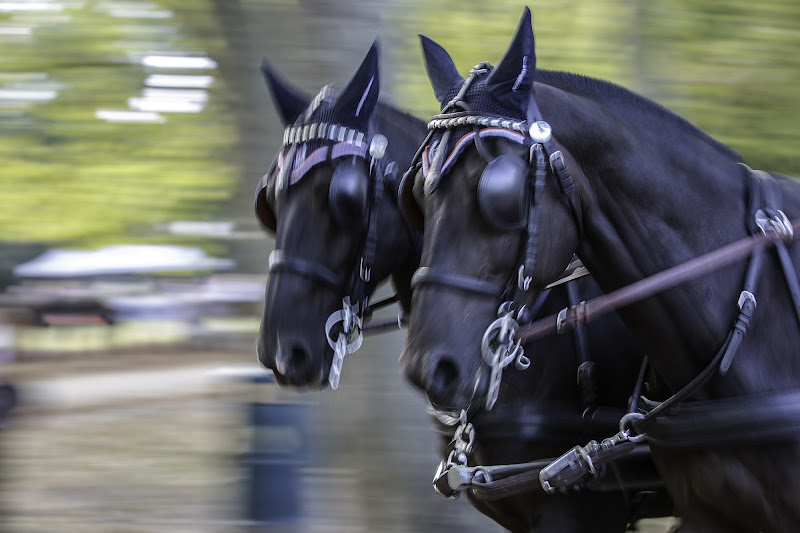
(388, 118)
(624, 99)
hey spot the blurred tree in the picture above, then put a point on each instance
(71, 177)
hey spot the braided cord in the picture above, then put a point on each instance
(468, 119)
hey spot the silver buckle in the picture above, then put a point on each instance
(777, 223)
(523, 281)
(744, 296)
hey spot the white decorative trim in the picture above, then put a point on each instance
(322, 131)
(478, 120)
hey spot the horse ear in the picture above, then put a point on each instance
(441, 70)
(511, 80)
(289, 102)
(359, 96)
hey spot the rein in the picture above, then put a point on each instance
(584, 312)
(749, 419)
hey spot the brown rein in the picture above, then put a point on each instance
(571, 317)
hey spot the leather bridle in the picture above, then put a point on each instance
(337, 142)
(499, 347)
(658, 421)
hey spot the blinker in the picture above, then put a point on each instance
(347, 197)
(264, 211)
(503, 192)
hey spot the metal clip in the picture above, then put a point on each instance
(570, 466)
(449, 480)
(626, 428)
(581, 462)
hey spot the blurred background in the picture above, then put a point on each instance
(132, 269)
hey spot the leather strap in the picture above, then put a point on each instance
(280, 261)
(753, 419)
(427, 276)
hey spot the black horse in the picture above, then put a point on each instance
(632, 189)
(300, 299)
(330, 198)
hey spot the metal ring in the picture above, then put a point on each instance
(627, 420)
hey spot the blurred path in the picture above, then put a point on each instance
(110, 387)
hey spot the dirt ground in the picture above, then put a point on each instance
(127, 460)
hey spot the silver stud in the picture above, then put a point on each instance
(540, 131)
(377, 147)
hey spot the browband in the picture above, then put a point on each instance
(463, 142)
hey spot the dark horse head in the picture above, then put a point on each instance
(330, 199)
(632, 189)
(475, 190)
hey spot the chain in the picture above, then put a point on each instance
(462, 444)
(348, 341)
(499, 348)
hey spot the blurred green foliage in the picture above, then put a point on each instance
(730, 66)
(70, 178)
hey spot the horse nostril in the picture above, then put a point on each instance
(444, 382)
(295, 364)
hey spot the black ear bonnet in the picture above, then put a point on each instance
(343, 147)
(504, 188)
(332, 128)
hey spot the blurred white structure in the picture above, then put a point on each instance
(121, 259)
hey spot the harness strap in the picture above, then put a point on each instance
(363, 272)
(739, 421)
(427, 276)
(763, 194)
(729, 347)
(496, 482)
(763, 184)
(534, 198)
(790, 274)
(566, 184)
(280, 261)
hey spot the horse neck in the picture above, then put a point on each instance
(654, 192)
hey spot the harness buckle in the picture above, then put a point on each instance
(775, 222)
(744, 296)
(523, 281)
(560, 319)
(364, 271)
